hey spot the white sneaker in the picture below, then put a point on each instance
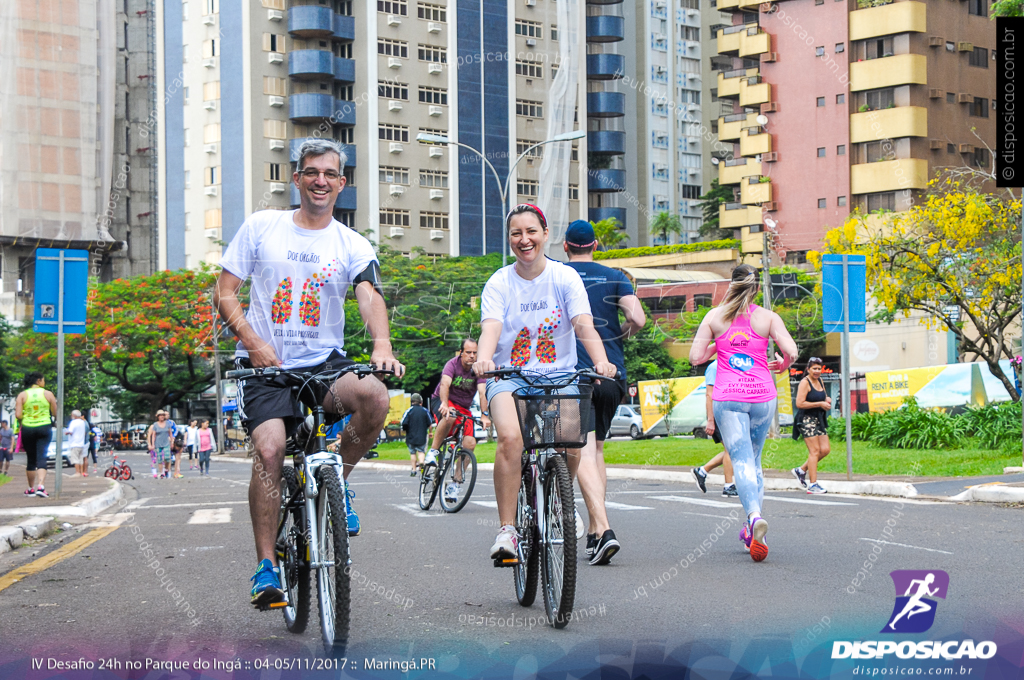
(451, 492)
(816, 489)
(431, 458)
(506, 545)
(581, 529)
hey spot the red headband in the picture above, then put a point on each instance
(526, 207)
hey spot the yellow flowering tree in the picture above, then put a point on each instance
(956, 257)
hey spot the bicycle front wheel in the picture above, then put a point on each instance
(526, 572)
(112, 473)
(430, 479)
(126, 472)
(559, 543)
(292, 555)
(458, 480)
(332, 577)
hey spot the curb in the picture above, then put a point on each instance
(991, 493)
(86, 508)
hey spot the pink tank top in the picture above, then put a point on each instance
(743, 373)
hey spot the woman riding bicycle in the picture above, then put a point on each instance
(531, 313)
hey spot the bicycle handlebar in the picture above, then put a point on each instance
(533, 379)
(361, 370)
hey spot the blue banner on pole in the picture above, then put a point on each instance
(832, 292)
(48, 312)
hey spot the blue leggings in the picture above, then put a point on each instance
(204, 461)
(744, 427)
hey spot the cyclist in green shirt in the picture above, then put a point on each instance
(33, 409)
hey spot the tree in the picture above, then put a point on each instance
(1007, 8)
(956, 257)
(646, 357)
(709, 205)
(665, 224)
(608, 233)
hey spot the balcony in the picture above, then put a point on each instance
(726, 5)
(752, 242)
(729, 127)
(310, 21)
(294, 144)
(736, 215)
(603, 2)
(901, 69)
(753, 191)
(744, 40)
(898, 17)
(754, 92)
(732, 172)
(346, 199)
(605, 29)
(606, 104)
(754, 142)
(901, 121)
(310, 107)
(605, 66)
(895, 175)
(608, 142)
(344, 27)
(604, 180)
(344, 70)
(310, 64)
(598, 214)
(344, 112)
(729, 81)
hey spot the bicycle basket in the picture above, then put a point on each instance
(548, 419)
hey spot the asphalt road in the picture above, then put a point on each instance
(440, 597)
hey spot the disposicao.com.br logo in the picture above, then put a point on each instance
(914, 612)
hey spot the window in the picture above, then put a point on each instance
(978, 8)
(841, 98)
(273, 42)
(393, 7)
(274, 4)
(981, 158)
(275, 129)
(211, 133)
(188, 221)
(690, 191)
(840, 48)
(876, 48)
(530, 69)
(391, 90)
(819, 51)
(822, 203)
(978, 108)
(554, 32)
(881, 99)
(392, 48)
(529, 29)
(188, 179)
(184, 96)
(703, 300)
(392, 133)
(523, 144)
(951, 148)
(437, 55)
(821, 152)
(391, 175)
(345, 135)
(212, 218)
(979, 57)
(184, 57)
(841, 201)
(271, 85)
(689, 33)
(530, 109)
(527, 187)
(434, 179)
(343, 50)
(796, 257)
(886, 201)
(394, 218)
(950, 46)
(211, 91)
(211, 6)
(211, 176)
(210, 48)
(841, 150)
(432, 131)
(574, 192)
(187, 136)
(433, 95)
(672, 304)
(433, 220)
(951, 98)
(184, 17)
(432, 12)
(272, 172)
(343, 92)
(821, 101)
(879, 151)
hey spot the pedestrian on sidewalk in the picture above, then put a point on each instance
(737, 331)
(722, 458)
(6, 448)
(93, 439)
(35, 408)
(207, 444)
(416, 422)
(811, 423)
(192, 443)
(78, 433)
(159, 439)
(177, 448)
(609, 292)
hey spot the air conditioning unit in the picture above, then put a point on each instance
(433, 27)
(275, 15)
(394, 147)
(770, 107)
(935, 93)
(210, 148)
(277, 145)
(394, 62)
(434, 68)
(964, 47)
(769, 57)
(209, 20)
(935, 144)
(963, 98)
(436, 194)
(396, 190)
(212, 233)
(276, 101)
(397, 232)
(965, 148)
(770, 206)
(531, 3)
(210, 105)
(935, 41)
(531, 42)
(394, 105)
(393, 20)
(275, 58)
(770, 157)
(435, 110)
(438, 234)
(277, 187)
(436, 152)
(210, 191)
(210, 63)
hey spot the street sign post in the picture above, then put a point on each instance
(844, 299)
(62, 283)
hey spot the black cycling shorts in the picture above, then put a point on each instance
(36, 441)
(260, 399)
(606, 398)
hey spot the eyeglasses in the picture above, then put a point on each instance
(814, 360)
(313, 173)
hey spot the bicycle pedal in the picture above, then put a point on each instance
(278, 605)
(509, 562)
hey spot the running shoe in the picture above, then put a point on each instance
(506, 545)
(580, 529)
(730, 491)
(451, 492)
(816, 488)
(41, 493)
(758, 547)
(178, 476)
(353, 518)
(266, 588)
(800, 475)
(591, 544)
(701, 477)
(606, 547)
(431, 458)
(745, 538)
(413, 473)
(30, 492)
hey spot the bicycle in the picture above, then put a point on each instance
(545, 511)
(312, 529)
(453, 463)
(119, 470)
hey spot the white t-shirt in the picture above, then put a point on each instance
(191, 436)
(77, 430)
(299, 281)
(536, 332)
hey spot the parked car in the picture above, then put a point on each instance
(51, 451)
(627, 420)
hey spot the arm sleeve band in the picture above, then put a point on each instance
(371, 274)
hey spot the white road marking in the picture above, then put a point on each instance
(137, 504)
(486, 504)
(904, 545)
(611, 505)
(211, 516)
(415, 511)
(192, 505)
(704, 514)
(696, 501)
(808, 501)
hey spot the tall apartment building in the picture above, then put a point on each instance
(843, 104)
(246, 83)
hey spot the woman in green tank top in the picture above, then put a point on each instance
(33, 409)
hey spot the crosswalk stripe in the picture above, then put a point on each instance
(611, 505)
(415, 511)
(696, 501)
(211, 516)
(486, 504)
(808, 501)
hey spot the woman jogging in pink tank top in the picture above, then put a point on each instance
(744, 396)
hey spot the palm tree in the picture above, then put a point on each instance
(665, 224)
(608, 233)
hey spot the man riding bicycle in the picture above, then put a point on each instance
(451, 400)
(285, 251)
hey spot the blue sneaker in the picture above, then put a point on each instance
(266, 589)
(353, 518)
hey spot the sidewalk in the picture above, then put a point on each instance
(80, 496)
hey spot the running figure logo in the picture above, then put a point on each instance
(914, 612)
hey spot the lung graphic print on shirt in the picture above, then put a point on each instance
(281, 308)
(546, 353)
(521, 348)
(309, 303)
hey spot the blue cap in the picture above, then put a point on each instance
(580, 234)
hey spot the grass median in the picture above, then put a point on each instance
(783, 454)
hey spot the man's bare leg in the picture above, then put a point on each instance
(444, 425)
(593, 484)
(264, 487)
(367, 401)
